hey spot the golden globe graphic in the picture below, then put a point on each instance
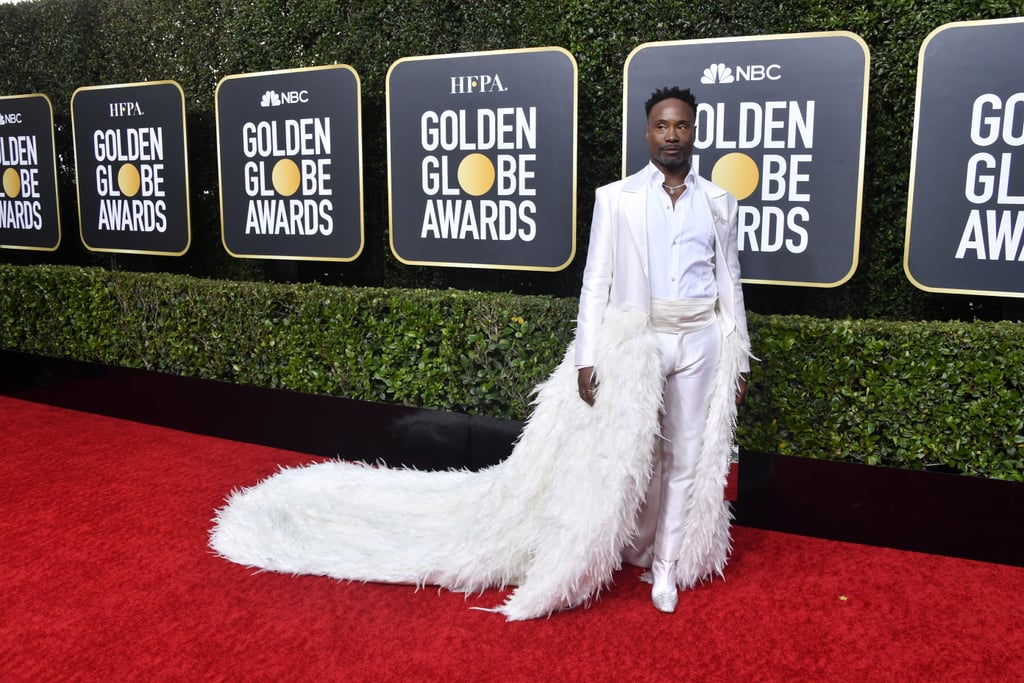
(738, 173)
(130, 160)
(780, 124)
(481, 155)
(289, 151)
(29, 216)
(128, 180)
(12, 183)
(286, 177)
(476, 174)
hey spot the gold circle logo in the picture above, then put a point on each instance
(12, 183)
(476, 174)
(737, 173)
(286, 177)
(128, 180)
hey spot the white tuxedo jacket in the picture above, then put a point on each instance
(617, 273)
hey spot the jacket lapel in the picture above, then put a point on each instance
(711, 193)
(634, 212)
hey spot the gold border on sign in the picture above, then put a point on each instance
(56, 189)
(913, 161)
(863, 130)
(184, 139)
(359, 155)
(575, 118)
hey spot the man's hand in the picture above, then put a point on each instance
(741, 389)
(587, 383)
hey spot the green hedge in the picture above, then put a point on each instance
(443, 349)
(898, 394)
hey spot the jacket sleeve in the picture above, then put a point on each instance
(597, 278)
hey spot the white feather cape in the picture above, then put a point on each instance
(552, 519)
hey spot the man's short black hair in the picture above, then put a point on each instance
(672, 93)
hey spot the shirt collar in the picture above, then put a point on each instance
(655, 177)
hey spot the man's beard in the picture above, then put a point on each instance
(673, 162)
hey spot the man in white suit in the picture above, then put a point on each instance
(664, 241)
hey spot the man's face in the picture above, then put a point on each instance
(670, 134)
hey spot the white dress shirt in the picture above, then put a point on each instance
(680, 242)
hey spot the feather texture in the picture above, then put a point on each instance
(552, 519)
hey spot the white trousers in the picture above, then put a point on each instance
(689, 360)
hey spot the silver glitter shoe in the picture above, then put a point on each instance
(664, 593)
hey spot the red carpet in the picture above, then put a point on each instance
(106, 576)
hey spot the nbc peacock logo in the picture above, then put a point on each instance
(717, 73)
(273, 98)
(270, 99)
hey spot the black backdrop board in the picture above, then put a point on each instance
(780, 124)
(290, 158)
(131, 166)
(482, 159)
(965, 216)
(29, 217)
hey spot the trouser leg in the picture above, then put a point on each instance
(642, 544)
(689, 363)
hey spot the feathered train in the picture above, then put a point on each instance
(552, 519)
